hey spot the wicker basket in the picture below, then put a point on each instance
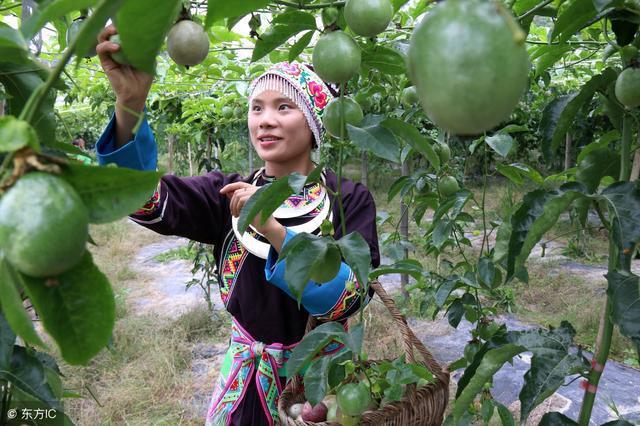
(424, 406)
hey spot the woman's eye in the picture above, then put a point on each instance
(285, 106)
(255, 108)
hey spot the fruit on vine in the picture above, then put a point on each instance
(295, 411)
(73, 31)
(628, 52)
(238, 112)
(118, 56)
(227, 111)
(363, 100)
(468, 61)
(331, 118)
(187, 43)
(317, 413)
(444, 152)
(368, 17)
(44, 225)
(330, 15)
(336, 57)
(447, 186)
(353, 399)
(409, 97)
(628, 87)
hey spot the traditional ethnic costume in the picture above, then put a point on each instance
(267, 323)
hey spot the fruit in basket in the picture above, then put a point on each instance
(353, 399)
(295, 411)
(316, 413)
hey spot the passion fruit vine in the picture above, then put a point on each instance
(468, 61)
(336, 57)
(332, 116)
(628, 87)
(44, 225)
(368, 17)
(187, 43)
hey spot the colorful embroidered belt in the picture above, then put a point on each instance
(248, 355)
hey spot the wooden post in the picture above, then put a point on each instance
(404, 232)
(364, 168)
(635, 169)
(189, 156)
(567, 151)
(170, 141)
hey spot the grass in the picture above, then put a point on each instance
(184, 252)
(145, 377)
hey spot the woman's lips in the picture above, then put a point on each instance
(266, 143)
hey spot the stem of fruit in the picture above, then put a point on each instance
(534, 9)
(519, 36)
(605, 331)
(309, 6)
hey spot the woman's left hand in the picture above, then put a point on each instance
(239, 193)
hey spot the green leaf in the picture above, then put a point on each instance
(301, 253)
(269, 197)
(515, 172)
(412, 136)
(27, 374)
(556, 419)
(91, 27)
(20, 80)
(219, 9)
(111, 193)
(299, 46)
(397, 4)
(400, 267)
(596, 165)
(12, 308)
(559, 114)
(544, 56)
(12, 44)
(492, 361)
(376, 139)
(486, 271)
(315, 380)
(573, 18)
(51, 10)
(624, 293)
(384, 59)
(455, 313)
(7, 340)
(357, 254)
(312, 344)
(550, 364)
(353, 339)
(441, 232)
(283, 27)
(505, 415)
(143, 38)
(77, 309)
(624, 202)
(16, 134)
(538, 212)
(501, 143)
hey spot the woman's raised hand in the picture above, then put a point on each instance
(130, 85)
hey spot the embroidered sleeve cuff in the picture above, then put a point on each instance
(140, 153)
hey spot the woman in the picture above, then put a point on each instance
(284, 120)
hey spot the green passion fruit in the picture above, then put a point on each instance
(353, 399)
(118, 56)
(409, 97)
(336, 57)
(447, 186)
(628, 87)
(331, 118)
(44, 225)
(368, 17)
(468, 61)
(187, 43)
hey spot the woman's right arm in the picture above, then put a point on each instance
(189, 207)
(130, 86)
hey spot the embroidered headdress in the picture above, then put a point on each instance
(299, 83)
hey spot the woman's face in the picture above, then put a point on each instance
(278, 129)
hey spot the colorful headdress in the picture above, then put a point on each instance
(300, 84)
